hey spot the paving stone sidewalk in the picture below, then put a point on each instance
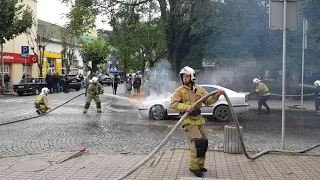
(172, 165)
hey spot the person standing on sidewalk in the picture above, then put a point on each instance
(194, 125)
(264, 95)
(115, 83)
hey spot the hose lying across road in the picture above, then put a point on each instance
(34, 117)
(165, 140)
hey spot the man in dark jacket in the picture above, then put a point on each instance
(115, 83)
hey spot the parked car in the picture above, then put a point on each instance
(74, 82)
(30, 85)
(105, 80)
(159, 109)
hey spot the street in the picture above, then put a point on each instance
(119, 131)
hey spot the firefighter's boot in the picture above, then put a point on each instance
(259, 112)
(86, 107)
(99, 107)
(197, 173)
(38, 111)
(268, 109)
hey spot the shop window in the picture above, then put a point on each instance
(5, 69)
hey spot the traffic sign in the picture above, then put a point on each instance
(113, 69)
(24, 51)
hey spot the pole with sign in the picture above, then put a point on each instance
(113, 69)
(304, 46)
(25, 55)
(283, 16)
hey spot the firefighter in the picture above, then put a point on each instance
(41, 103)
(264, 95)
(94, 89)
(194, 125)
(317, 99)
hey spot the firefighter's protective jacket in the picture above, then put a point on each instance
(262, 89)
(95, 89)
(42, 100)
(183, 97)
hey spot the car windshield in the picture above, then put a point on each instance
(27, 80)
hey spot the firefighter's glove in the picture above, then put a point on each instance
(189, 109)
(220, 92)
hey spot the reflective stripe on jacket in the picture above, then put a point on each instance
(262, 89)
(183, 97)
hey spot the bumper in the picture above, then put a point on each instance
(241, 109)
(25, 90)
(143, 112)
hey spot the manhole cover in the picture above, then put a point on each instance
(30, 165)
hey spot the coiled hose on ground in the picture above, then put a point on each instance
(34, 117)
(235, 119)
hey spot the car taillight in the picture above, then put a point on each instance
(246, 98)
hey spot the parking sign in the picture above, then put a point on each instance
(24, 51)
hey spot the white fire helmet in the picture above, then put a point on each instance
(94, 80)
(256, 80)
(317, 83)
(189, 71)
(45, 91)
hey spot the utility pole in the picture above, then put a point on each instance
(304, 46)
(2, 67)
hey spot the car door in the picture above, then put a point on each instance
(207, 110)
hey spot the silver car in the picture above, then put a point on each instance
(159, 108)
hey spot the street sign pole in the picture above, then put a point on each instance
(284, 72)
(2, 67)
(304, 46)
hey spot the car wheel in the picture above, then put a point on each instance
(36, 91)
(157, 112)
(78, 89)
(222, 113)
(20, 93)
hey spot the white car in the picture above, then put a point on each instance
(159, 109)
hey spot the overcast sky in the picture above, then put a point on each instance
(53, 10)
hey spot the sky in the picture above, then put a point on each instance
(52, 11)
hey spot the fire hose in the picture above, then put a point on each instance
(34, 117)
(236, 122)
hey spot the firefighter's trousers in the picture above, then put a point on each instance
(42, 108)
(88, 101)
(197, 136)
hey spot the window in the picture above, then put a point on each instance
(5, 69)
(209, 89)
(27, 80)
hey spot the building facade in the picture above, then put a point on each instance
(14, 64)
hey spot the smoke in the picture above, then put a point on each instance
(160, 80)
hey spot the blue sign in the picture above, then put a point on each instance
(113, 69)
(24, 51)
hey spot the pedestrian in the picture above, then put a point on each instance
(66, 83)
(194, 125)
(137, 84)
(41, 103)
(94, 89)
(115, 83)
(317, 95)
(264, 95)
(49, 80)
(129, 85)
(7, 82)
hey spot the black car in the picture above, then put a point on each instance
(105, 80)
(30, 85)
(74, 82)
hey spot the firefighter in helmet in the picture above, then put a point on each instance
(93, 91)
(264, 95)
(194, 125)
(41, 103)
(317, 100)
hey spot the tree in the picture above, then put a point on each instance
(70, 44)
(96, 51)
(16, 18)
(38, 38)
(183, 21)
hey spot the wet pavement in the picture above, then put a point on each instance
(119, 131)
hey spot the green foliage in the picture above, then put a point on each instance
(16, 18)
(96, 51)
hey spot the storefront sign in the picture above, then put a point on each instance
(16, 58)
